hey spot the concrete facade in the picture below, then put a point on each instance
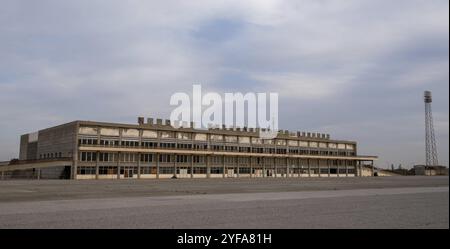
(149, 150)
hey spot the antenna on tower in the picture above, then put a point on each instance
(430, 140)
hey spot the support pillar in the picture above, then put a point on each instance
(192, 166)
(251, 167)
(329, 167)
(373, 168)
(318, 166)
(275, 167)
(309, 167)
(118, 165)
(238, 169)
(175, 166)
(264, 168)
(346, 168)
(157, 165)
(97, 165)
(337, 170)
(287, 168)
(223, 165)
(139, 165)
(208, 167)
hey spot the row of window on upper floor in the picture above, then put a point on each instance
(135, 133)
(278, 142)
(167, 158)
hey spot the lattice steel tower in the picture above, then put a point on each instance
(430, 141)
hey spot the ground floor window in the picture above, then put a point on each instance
(166, 170)
(83, 170)
(342, 171)
(216, 170)
(324, 170)
(107, 170)
(244, 170)
(199, 170)
(148, 170)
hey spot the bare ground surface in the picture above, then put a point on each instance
(391, 202)
(29, 190)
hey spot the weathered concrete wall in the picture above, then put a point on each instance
(56, 140)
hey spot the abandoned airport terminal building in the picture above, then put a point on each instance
(98, 150)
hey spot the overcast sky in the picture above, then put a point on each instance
(355, 69)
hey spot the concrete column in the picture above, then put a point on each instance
(224, 168)
(318, 166)
(275, 167)
(264, 167)
(192, 166)
(299, 167)
(139, 165)
(38, 173)
(3, 175)
(346, 168)
(208, 167)
(329, 167)
(287, 168)
(175, 165)
(251, 167)
(337, 168)
(157, 165)
(118, 165)
(238, 169)
(97, 165)
(373, 168)
(309, 166)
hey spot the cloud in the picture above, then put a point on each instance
(355, 68)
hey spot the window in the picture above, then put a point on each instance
(88, 156)
(166, 170)
(109, 142)
(244, 149)
(107, 170)
(183, 159)
(146, 158)
(257, 150)
(184, 146)
(167, 145)
(130, 143)
(217, 147)
(107, 157)
(148, 170)
(216, 170)
(231, 148)
(128, 157)
(199, 170)
(293, 151)
(244, 170)
(281, 151)
(147, 144)
(165, 158)
(200, 146)
(199, 159)
(82, 170)
(87, 141)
